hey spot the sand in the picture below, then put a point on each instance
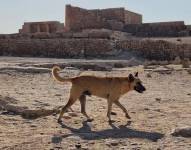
(165, 106)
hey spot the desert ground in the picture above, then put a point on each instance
(165, 106)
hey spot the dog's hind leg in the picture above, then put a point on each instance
(83, 107)
(109, 102)
(123, 108)
(71, 101)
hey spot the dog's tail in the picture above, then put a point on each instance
(57, 77)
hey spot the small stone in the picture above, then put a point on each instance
(72, 114)
(58, 95)
(158, 99)
(74, 137)
(66, 117)
(158, 110)
(148, 75)
(114, 143)
(78, 146)
(183, 131)
(146, 109)
(91, 142)
(113, 113)
(56, 139)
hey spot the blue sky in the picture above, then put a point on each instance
(14, 12)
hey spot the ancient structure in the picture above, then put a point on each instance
(160, 29)
(91, 47)
(97, 33)
(39, 27)
(78, 19)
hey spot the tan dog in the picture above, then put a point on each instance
(110, 88)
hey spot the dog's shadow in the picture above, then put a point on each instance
(116, 132)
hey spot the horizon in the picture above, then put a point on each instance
(21, 11)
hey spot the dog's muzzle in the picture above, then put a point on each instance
(140, 88)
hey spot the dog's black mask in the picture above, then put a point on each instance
(139, 87)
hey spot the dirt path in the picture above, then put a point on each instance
(164, 106)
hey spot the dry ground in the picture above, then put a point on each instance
(164, 106)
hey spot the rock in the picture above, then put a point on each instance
(113, 113)
(72, 114)
(185, 63)
(182, 131)
(91, 142)
(146, 109)
(112, 143)
(67, 117)
(158, 99)
(177, 60)
(74, 137)
(33, 126)
(119, 65)
(78, 146)
(148, 75)
(189, 71)
(56, 139)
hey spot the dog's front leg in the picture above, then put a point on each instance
(109, 102)
(123, 108)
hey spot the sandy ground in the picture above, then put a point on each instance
(164, 106)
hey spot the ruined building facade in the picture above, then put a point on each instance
(78, 19)
(42, 27)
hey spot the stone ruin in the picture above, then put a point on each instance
(97, 33)
(42, 27)
(115, 19)
(160, 29)
(78, 19)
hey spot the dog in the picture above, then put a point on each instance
(110, 88)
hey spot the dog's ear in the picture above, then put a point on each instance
(131, 78)
(136, 74)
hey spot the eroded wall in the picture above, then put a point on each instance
(60, 48)
(114, 18)
(132, 18)
(161, 29)
(39, 27)
(96, 48)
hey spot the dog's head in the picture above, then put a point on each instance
(136, 83)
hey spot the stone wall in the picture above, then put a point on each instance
(92, 47)
(63, 48)
(93, 33)
(156, 50)
(132, 18)
(77, 19)
(162, 29)
(42, 27)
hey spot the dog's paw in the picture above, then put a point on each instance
(59, 120)
(111, 121)
(90, 119)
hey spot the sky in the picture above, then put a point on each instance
(13, 13)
